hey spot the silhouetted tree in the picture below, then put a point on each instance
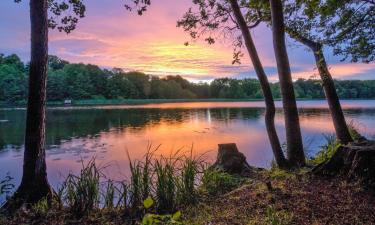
(296, 156)
(34, 184)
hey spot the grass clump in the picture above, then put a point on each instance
(81, 193)
(327, 150)
(171, 182)
(186, 184)
(41, 208)
(275, 217)
(6, 187)
(165, 192)
(276, 172)
(216, 182)
(354, 131)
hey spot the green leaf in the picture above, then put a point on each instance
(147, 220)
(176, 216)
(148, 202)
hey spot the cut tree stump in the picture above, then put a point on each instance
(230, 160)
(355, 162)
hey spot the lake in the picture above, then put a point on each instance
(107, 132)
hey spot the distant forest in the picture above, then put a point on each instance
(79, 81)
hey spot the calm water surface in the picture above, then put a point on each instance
(107, 132)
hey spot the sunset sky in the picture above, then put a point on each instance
(110, 36)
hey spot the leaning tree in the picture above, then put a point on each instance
(34, 184)
(220, 19)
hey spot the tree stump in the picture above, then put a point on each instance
(355, 162)
(230, 160)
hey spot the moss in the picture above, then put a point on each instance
(215, 182)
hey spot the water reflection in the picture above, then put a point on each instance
(108, 132)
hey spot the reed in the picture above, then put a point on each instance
(81, 193)
(172, 181)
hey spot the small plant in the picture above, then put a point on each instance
(155, 219)
(109, 194)
(274, 217)
(41, 207)
(6, 187)
(216, 182)
(327, 150)
(276, 172)
(123, 194)
(353, 130)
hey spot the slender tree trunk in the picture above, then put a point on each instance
(34, 185)
(270, 105)
(337, 114)
(341, 127)
(296, 156)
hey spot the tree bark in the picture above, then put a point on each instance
(34, 185)
(296, 156)
(266, 89)
(341, 128)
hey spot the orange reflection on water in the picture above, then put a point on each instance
(107, 132)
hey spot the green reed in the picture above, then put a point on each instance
(171, 181)
(81, 193)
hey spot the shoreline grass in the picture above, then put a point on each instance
(181, 189)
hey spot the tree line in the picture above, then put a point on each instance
(80, 81)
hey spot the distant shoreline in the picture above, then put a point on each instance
(99, 102)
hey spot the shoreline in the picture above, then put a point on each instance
(96, 102)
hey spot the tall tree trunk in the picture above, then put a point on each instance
(341, 127)
(296, 156)
(270, 105)
(34, 185)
